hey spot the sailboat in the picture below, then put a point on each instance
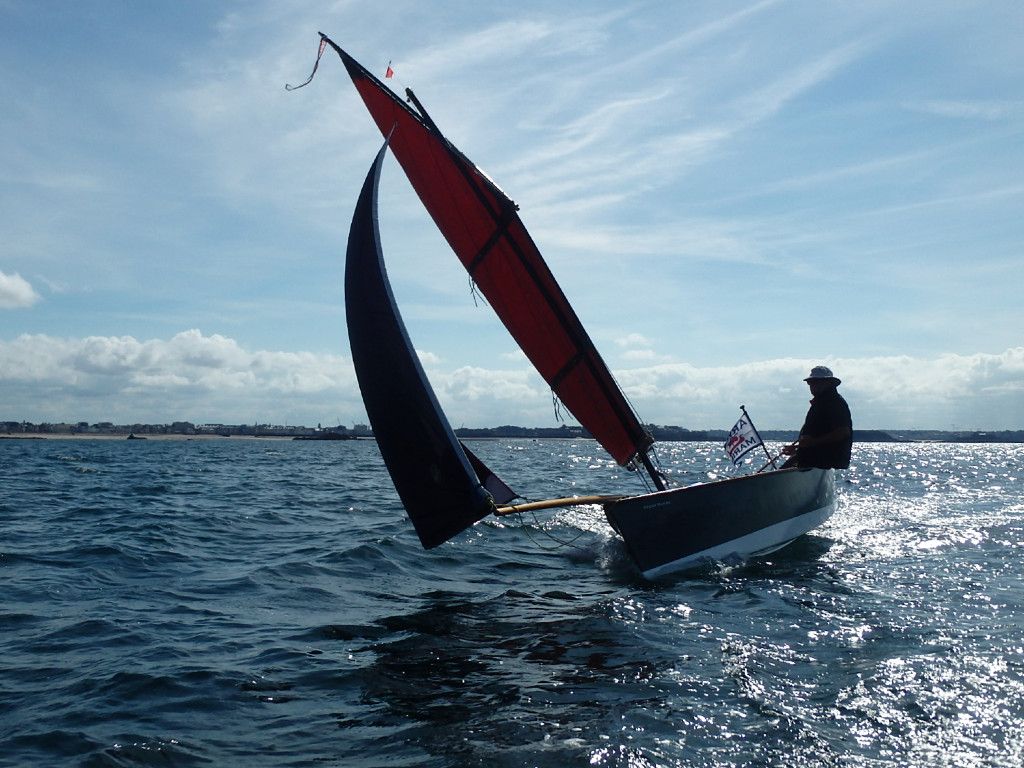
(443, 487)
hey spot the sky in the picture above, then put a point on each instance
(729, 193)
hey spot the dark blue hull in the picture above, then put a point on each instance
(742, 517)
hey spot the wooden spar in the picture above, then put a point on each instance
(575, 501)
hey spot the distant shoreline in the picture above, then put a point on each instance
(109, 436)
(770, 436)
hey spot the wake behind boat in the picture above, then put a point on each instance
(442, 486)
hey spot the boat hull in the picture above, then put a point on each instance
(727, 520)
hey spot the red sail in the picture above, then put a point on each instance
(481, 224)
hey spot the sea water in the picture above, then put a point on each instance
(241, 602)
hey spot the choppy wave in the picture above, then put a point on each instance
(265, 603)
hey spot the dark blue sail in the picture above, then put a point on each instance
(439, 489)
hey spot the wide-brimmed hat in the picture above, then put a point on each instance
(821, 372)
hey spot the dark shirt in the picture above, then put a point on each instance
(828, 411)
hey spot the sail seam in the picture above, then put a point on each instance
(566, 369)
(502, 223)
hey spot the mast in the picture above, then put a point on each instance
(656, 477)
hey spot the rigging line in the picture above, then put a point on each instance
(646, 479)
(557, 406)
(655, 460)
(559, 544)
(475, 293)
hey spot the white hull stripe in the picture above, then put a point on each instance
(759, 542)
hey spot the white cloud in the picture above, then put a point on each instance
(428, 358)
(190, 376)
(978, 391)
(635, 347)
(199, 377)
(16, 292)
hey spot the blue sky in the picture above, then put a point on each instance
(729, 193)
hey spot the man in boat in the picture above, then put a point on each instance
(826, 438)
